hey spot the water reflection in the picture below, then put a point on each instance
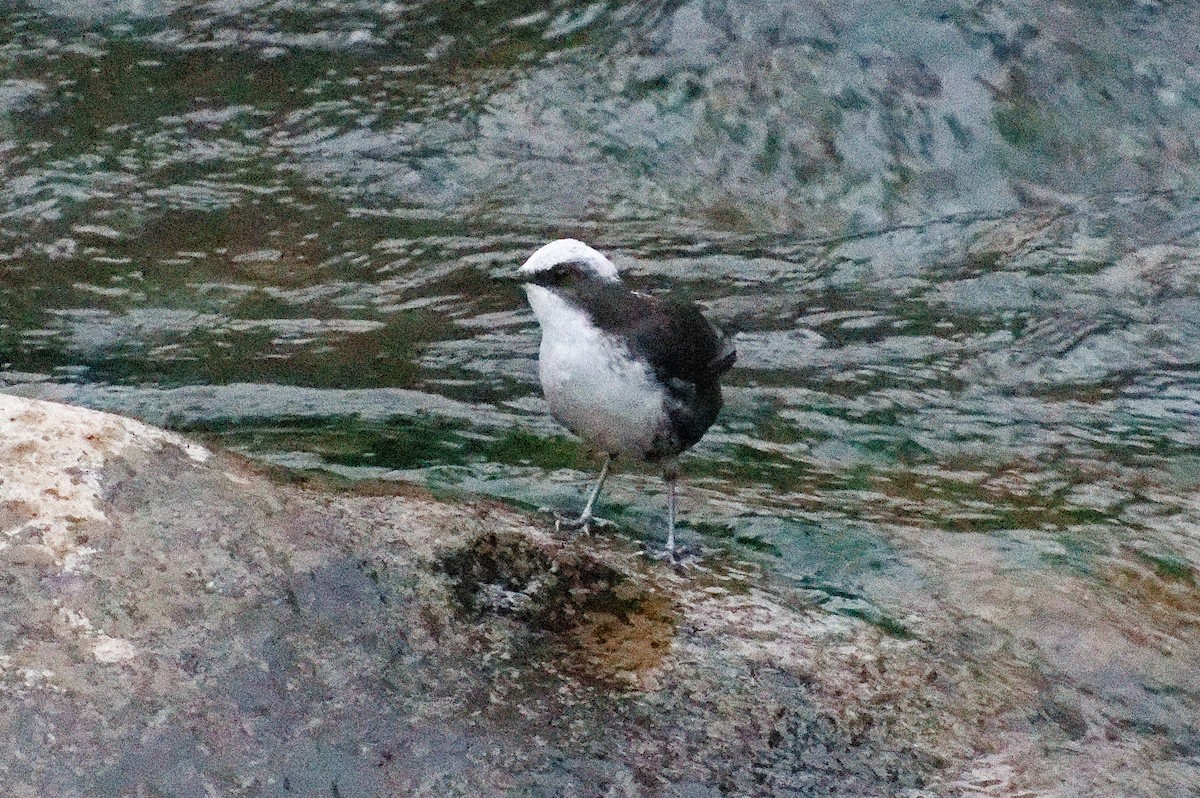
(958, 243)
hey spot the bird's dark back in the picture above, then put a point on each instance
(674, 337)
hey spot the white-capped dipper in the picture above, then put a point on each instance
(631, 374)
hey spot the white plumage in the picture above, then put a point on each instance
(592, 383)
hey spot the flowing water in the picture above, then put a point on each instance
(957, 241)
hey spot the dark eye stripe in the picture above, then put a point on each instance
(561, 273)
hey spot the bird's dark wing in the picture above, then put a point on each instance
(687, 353)
(674, 337)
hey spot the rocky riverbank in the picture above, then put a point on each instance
(175, 622)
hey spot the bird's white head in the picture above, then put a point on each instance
(567, 252)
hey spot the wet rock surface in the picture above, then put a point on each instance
(227, 634)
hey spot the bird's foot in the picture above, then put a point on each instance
(678, 557)
(584, 523)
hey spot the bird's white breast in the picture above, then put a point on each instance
(591, 381)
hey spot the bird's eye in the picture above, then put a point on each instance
(560, 272)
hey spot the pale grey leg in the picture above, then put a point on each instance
(586, 519)
(672, 500)
(587, 508)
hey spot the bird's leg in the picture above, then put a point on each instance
(678, 556)
(586, 519)
(672, 478)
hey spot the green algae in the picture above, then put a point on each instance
(1169, 566)
(520, 447)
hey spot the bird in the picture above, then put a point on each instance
(633, 375)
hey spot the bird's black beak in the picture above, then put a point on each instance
(508, 280)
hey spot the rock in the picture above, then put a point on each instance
(175, 622)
